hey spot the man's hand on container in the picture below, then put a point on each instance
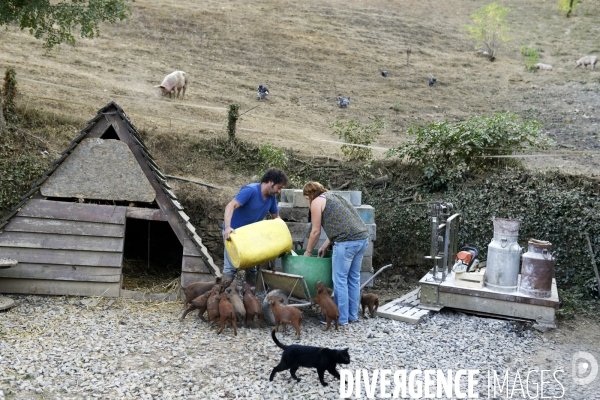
(228, 232)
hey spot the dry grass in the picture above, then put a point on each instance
(309, 52)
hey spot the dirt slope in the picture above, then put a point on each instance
(309, 52)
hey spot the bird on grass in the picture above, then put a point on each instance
(384, 74)
(263, 92)
(431, 81)
(342, 102)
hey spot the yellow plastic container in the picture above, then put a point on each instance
(258, 243)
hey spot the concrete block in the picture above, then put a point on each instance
(343, 194)
(288, 212)
(355, 197)
(367, 264)
(297, 229)
(364, 276)
(287, 195)
(369, 251)
(367, 213)
(299, 199)
(372, 231)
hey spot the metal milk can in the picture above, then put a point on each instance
(537, 269)
(504, 257)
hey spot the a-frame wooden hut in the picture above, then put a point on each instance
(103, 198)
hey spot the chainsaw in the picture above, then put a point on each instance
(466, 259)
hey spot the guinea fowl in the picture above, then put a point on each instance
(262, 92)
(342, 102)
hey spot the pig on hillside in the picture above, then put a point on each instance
(175, 81)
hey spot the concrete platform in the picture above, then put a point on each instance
(514, 305)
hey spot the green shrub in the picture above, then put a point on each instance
(358, 135)
(489, 28)
(567, 6)
(272, 157)
(531, 58)
(445, 151)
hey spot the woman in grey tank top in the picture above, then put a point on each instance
(348, 233)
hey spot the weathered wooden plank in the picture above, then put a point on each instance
(190, 249)
(169, 193)
(78, 273)
(157, 172)
(190, 227)
(191, 277)
(177, 205)
(42, 225)
(60, 242)
(72, 288)
(194, 264)
(183, 216)
(152, 214)
(68, 257)
(73, 211)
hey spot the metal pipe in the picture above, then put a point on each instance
(374, 275)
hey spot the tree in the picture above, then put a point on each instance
(56, 21)
(489, 27)
(358, 136)
(567, 6)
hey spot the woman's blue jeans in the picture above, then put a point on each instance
(346, 261)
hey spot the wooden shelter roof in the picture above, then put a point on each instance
(112, 120)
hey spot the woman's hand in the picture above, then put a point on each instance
(321, 252)
(308, 254)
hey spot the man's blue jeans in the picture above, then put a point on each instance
(346, 260)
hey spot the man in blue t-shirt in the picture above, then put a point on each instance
(251, 204)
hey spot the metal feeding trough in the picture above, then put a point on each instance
(473, 292)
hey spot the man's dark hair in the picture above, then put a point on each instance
(276, 176)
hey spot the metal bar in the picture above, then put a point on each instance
(374, 275)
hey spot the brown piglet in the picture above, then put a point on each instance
(285, 315)
(212, 304)
(196, 289)
(252, 305)
(328, 306)
(199, 303)
(371, 301)
(226, 312)
(236, 301)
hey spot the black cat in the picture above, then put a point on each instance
(323, 359)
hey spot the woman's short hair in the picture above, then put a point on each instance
(313, 190)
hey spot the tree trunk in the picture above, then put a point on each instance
(570, 9)
(2, 125)
(233, 115)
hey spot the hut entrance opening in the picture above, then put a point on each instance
(152, 256)
(110, 133)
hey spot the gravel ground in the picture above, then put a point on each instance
(79, 348)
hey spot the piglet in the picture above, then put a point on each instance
(212, 305)
(285, 315)
(196, 289)
(252, 305)
(236, 301)
(226, 312)
(371, 301)
(328, 306)
(199, 303)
